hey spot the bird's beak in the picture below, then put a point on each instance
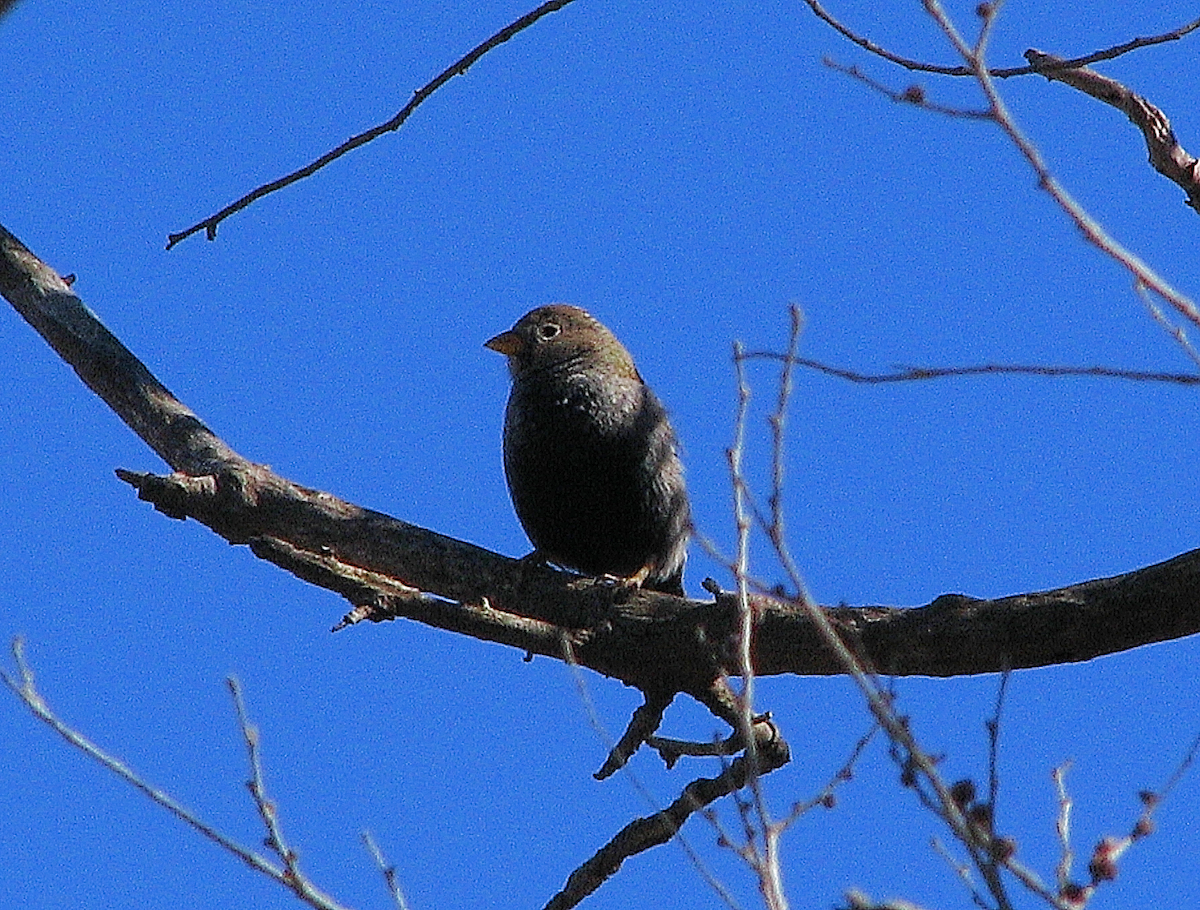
(507, 343)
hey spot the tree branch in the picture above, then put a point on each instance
(919, 374)
(105, 365)
(386, 568)
(457, 68)
(644, 833)
(958, 635)
(642, 725)
(289, 875)
(1167, 156)
(1144, 276)
(909, 63)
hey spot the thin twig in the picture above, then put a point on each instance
(26, 690)
(585, 697)
(1102, 867)
(388, 871)
(771, 874)
(914, 95)
(909, 63)
(858, 900)
(1062, 873)
(1181, 769)
(1175, 331)
(962, 871)
(767, 865)
(734, 456)
(993, 729)
(458, 68)
(918, 374)
(843, 775)
(988, 12)
(296, 879)
(777, 420)
(1094, 233)
(710, 547)
(1117, 50)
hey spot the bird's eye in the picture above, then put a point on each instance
(548, 330)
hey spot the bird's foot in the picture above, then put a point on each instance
(624, 586)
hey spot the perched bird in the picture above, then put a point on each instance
(589, 454)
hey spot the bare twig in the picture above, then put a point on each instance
(776, 531)
(671, 750)
(1095, 234)
(962, 871)
(1102, 866)
(1153, 800)
(858, 900)
(914, 94)
(388, 871)
(769, 865)
(741, 564)
(633, 844)
(458, 68)
(644, 833)
(759, 843)
(266, 807)
(993, 730)
(764, 863)
(1117, 50)
(645, 720)
(24, 688)
(1167, 156)
(1062, 873)
(825, 798)
(1176, 332)
(919, 374)
(909, 63)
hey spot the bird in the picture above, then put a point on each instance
(590, 457)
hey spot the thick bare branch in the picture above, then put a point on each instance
(104, 364)
(656, 642)
(959, 635)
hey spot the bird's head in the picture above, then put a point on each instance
(562, 335)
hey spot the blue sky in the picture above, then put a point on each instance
(684, 173)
